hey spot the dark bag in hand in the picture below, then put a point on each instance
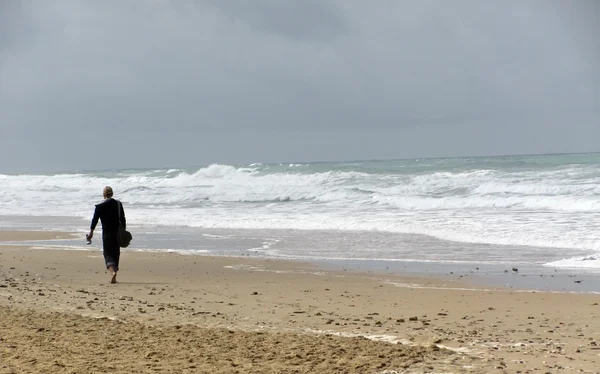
(123, 236)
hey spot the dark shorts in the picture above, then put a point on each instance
(111, 249)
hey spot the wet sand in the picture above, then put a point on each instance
(176, 313)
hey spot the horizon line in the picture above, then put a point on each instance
(85, 171)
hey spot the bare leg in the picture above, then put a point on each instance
(113, 274)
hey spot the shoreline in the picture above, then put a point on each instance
(527, 277)
(437, 324)
(408, 247)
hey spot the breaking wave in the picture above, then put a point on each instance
(539, 205)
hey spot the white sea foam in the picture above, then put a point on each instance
(583, 262)
(554, 206)
(213, 236)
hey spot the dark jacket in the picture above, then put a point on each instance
(108, 213)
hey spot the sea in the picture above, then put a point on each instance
(536, 215)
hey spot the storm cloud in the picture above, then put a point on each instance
(116, 84)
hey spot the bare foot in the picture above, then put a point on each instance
(113, 280)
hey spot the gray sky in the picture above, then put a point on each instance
(118, 84)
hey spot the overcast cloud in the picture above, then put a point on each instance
(117, 84)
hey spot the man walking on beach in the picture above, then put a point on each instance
(110, 212)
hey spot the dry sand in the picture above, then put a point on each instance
(174, 313)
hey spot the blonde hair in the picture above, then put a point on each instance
(107, 192)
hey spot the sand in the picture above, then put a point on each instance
(175, 313)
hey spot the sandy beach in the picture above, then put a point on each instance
(175, 313)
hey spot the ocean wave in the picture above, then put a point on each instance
(583, 262)
(522, 203)
(557, 205)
